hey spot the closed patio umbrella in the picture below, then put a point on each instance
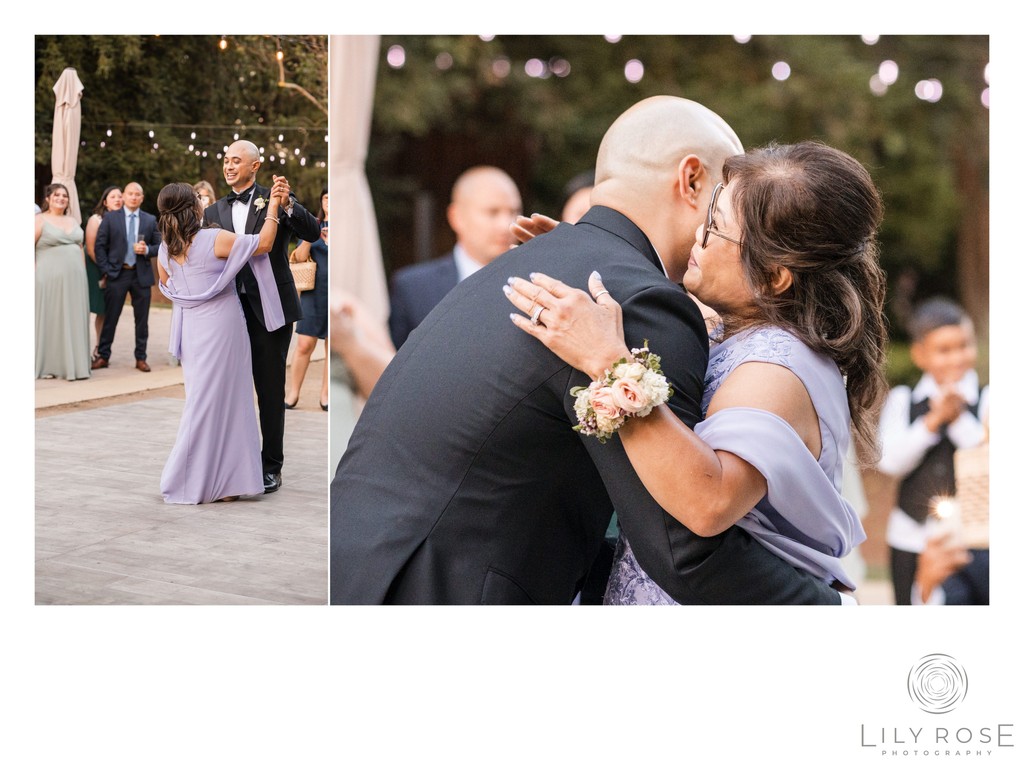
(67, 130)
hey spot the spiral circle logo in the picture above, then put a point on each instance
(937, 683)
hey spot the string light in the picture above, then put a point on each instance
(223, 44)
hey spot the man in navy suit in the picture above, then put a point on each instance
(485, 201)
(243, 211)
(126, 240)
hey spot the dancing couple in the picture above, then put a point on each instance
(495, 447)
(225, 269)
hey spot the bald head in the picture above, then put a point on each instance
(132, 196)
(648, 141)
(658, 164)
(241, 161)
(485, 201)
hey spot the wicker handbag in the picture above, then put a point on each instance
(304, 272)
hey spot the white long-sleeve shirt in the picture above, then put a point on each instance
(904, 445)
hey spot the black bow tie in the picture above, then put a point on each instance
(243, 197)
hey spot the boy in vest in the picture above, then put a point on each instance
(920, 429)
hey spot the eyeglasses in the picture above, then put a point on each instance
(709, 225)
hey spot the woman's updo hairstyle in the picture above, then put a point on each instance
(181, 217)
(814, 210)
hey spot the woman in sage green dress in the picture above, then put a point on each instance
(62, 292)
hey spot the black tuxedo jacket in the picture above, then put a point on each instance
(415, 290)
(301, 223)
(464, 482)
(112, 244)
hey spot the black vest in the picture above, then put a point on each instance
(934, 476)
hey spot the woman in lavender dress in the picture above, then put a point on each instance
(217, 452)
(792, 272)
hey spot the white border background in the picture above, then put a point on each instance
(294, 685)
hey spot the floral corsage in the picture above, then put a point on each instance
(260, 203)
(630, 389)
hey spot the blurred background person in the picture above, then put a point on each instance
(484, 203)
(204, 190)
(576, 196)
(361, 348)
(62, 292)
(109, 200)
(313, 324)
(921, 428)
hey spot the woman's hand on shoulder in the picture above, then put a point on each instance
(524, 229)
(585, 332)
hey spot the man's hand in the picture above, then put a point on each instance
(524, 229)
(940, 558)
(281, 190)
(944, 408)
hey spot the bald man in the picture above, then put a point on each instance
(125, 242)
(485, 201)
(464, 482)
(244, 211)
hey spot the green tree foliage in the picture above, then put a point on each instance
(459, 101)
(177, 86)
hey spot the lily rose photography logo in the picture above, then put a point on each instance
(937, 685)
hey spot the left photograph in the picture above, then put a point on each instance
(181, 395)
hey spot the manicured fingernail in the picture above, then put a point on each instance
(595, 275)
(533, 274)
(511, 280)
(506, 289)
(512, 317)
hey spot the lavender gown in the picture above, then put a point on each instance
(803, 519)
(217, 452)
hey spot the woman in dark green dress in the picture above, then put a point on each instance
(109, 200)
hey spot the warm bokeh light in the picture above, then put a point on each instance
(928, 90)
(613, 38)
(634, 70)
(888, 71)
(869, 39)
(223, 44)
(984, 98)
(742, 39)
(396, 56)
(986, 74)
(444, 61)
(559, 67)
(486, 38)
(535, 68)
(280, 55)
(501, 67)
(877, 86)
(781, 71)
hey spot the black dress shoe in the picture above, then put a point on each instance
(271, 482)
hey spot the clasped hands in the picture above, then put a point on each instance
(281, 190)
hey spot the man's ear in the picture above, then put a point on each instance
(692, 177)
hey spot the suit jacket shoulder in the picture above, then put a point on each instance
(415, 291)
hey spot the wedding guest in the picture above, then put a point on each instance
(792, 272)
(485, 201)
(921, 428)
(216, 455)
(207, 196)
(109, 200)
(243, 210)
(576, 196)
(62, 292)
(126, 240)
(464, 481)
(313, 324)
(361, 349)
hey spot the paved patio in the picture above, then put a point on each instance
(104, 534)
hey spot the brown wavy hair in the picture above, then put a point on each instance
(46, 197)
(815, 210)
(181, 217)
(101, 206)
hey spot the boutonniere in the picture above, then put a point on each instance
(260, 203)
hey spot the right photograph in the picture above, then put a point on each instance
(639, 320)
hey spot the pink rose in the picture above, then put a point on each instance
(628, 396)
(603, 403)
